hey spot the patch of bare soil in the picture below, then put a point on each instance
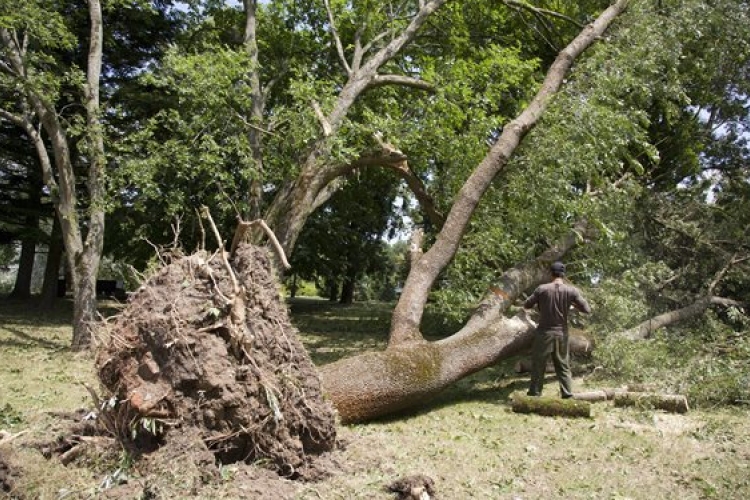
(204, 362)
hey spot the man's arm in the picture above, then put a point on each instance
(532, 300)
(580, 303)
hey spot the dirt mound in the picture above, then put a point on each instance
(207, 344)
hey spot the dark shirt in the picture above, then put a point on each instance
(554, 300)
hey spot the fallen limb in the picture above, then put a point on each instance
(551, 407)
(666, 402)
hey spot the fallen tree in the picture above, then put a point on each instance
(411, 370)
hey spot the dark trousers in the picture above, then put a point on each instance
(546, 344)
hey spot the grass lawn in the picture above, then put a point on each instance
(467, 439)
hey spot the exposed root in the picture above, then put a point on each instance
(207, 343)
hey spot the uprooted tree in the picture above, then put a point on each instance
(205, 349)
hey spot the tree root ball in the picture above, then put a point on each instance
(207, 343)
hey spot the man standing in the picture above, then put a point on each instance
(553, 299)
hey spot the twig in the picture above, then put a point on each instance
(227, 266)
(239, 236)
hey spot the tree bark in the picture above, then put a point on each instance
(24, 277)
(348, 287)
(254, 134)
(411, 370)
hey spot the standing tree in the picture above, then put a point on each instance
(36, 98)
(57, 106)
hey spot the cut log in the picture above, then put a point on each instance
(667, 402)
(551, 407)
(598, 395)
(591, 396)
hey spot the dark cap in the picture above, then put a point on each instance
(557, 268)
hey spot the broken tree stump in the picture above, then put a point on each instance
(667, 402)
(551, 407)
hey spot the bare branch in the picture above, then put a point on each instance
(207, 215)
(358, 52)
(252, 125)
(415, 246)
(734, 259)
(337, 39)
(375, 40)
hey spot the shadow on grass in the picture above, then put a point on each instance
(24, 340)
(332, 331)
(29, 312)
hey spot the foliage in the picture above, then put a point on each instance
(358, 215)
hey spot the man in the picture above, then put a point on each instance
(553, 299)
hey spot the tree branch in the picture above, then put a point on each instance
(519, 279)
(405, 81)
(337, 39)
(324, 123)
(645, 329)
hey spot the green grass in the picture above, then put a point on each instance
(467, 439)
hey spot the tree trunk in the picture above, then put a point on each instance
(84, 304)
(348, 287)
(380, 383)
(48, 296)
(22, 286)
(333, 291)
(411, 370)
